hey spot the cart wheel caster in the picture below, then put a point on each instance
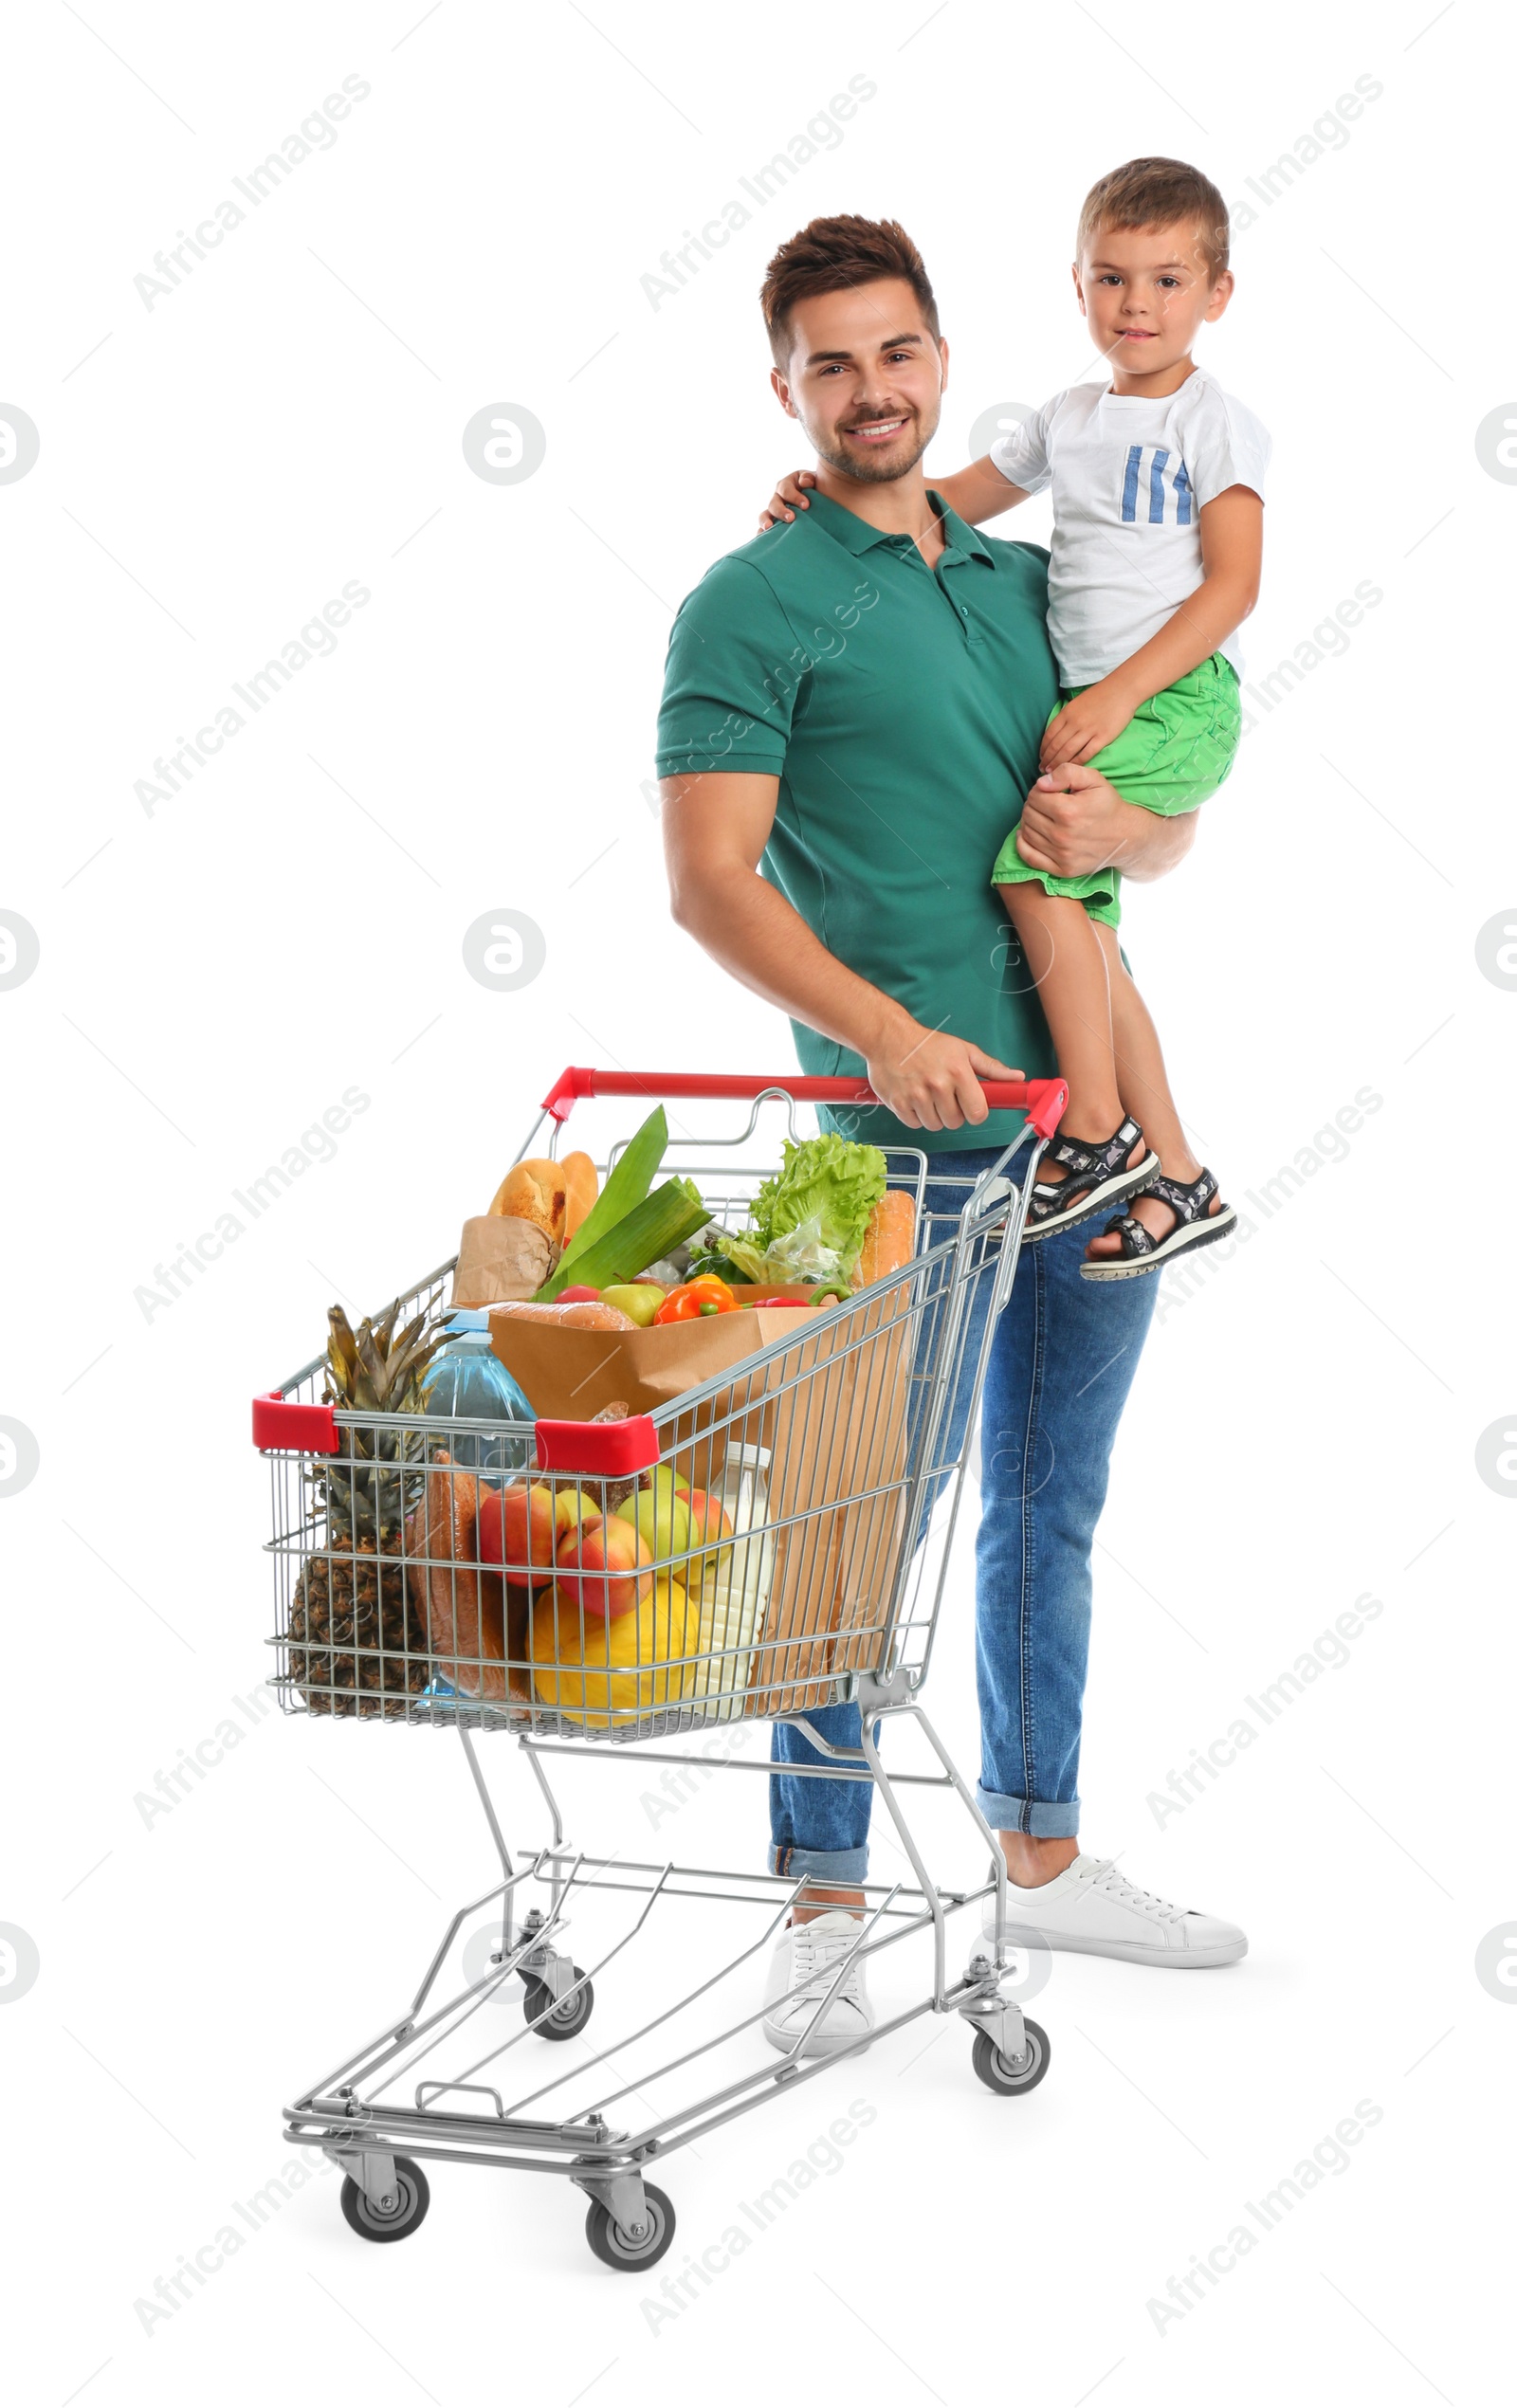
(613, 2246)
(1008, 2075)
(375, 2223)
(561, 2022)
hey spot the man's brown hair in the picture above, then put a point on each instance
(832, 255)
(1158, 193)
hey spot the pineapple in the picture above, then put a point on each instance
(353, 1594)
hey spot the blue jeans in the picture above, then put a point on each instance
(1061, 1362)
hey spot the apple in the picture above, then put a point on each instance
(576, 1505)
(599, 1566)
(668, 1483)
(520, 1527)
(709, 1520)
(639, 1302)
(660, 1517)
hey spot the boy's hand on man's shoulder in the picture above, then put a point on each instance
(788, 496)
(1084, 726)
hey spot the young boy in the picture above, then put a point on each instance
(1158, 481)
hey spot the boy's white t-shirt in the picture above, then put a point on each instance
(1130, 477)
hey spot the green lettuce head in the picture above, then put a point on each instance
(827, 1187)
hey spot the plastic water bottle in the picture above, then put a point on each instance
(466, 1381)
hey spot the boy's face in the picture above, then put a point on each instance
(866, 378)
(1146, 291)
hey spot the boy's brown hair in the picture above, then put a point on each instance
(1158, 193)
(832, 255)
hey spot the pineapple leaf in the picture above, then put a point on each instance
(342, 1351)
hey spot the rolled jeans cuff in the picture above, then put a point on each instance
(1040, 1818)
(829, 1866)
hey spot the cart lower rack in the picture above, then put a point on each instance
(794, 1516)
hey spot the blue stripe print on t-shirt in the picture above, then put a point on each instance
(1129, 487)
(1155, 489)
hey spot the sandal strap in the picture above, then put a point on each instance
(1087, 1167)
(1187, 1203)
(1136, 1240)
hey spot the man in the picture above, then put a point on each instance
(851, 720)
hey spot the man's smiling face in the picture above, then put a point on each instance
(866, 377)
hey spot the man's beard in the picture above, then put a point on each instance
(885, 467)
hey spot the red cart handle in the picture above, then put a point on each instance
(281, 1426)
(598, 1450)
(1043, 1099)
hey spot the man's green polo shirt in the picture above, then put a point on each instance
(901, 708)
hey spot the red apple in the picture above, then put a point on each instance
(599, 1567)
(519, 1527)
(709, 1524)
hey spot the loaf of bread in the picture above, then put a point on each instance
(464, 1605)
(890, 1237)
(535, 1191)
(583, 1187)
(582, 1316)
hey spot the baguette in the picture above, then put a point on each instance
(535, 1191)
(566, 1316)
(465, 1608)
(582, 1186)
(890, 1238)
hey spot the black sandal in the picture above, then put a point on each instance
(1141, 1252)
(1099, 1175)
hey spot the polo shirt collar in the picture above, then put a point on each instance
(858, 535)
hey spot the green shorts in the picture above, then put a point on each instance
(1173, 751)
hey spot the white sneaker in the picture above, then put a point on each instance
(1094, 1910)
(808, 1954)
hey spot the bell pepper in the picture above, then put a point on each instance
(696, 1300)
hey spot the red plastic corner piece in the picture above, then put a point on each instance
(282, 1428)
(1048, 1099)
(601, 1449)
(566, 1089)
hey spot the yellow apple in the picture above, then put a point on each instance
(661, 1518)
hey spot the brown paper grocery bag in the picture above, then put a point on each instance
(870, 1531)
(496, 1256)
(830, 1409)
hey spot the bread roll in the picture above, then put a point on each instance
(583, 1187)
(535, 1191)
(890, 1237)
(464, 1610)
(568, 1316)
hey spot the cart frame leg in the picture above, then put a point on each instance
(621, 2194)
(374, 2170)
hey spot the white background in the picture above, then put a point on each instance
(215, 973)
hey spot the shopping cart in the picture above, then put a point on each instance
(839, 1450)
